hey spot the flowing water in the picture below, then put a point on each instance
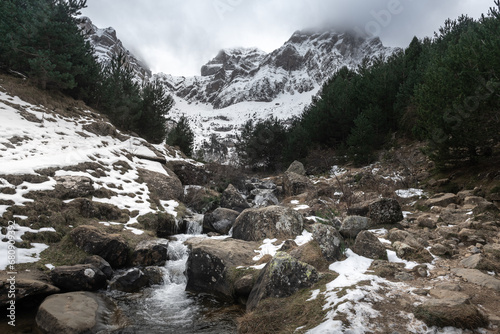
(169, 308)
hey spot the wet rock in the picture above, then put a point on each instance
(111, 247)
(212, 264)
(330, 241)
(220, 221)
(68, 187)
(442, 200)
(271, 222)
(81, 277)
(154, 274)
(295, 184)
(368, 245)
(100, 264)
(162, 186)
(477, 277)
(28, 292)
(131, 281)
(281, 277)
(352, 225)
(297, 167)
(163, 224)
(77, 312)
(150, 253)
(232, 199)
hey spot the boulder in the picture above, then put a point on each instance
(409, 253)
(212, 264)
(368, 245)
(297, 167)
(101, 264)
(271, 222)
(189, 173)
(81, 277)
(352, 225)
(477, 277)
(154, 274)
(385, 211)
(281, 277)
(220, 221)
(68, 187)
(450, 309)
(201, 199)
(77, 312)
(150, 253)
(330, 241)
(28, 292)
(295, 184)
(111, 247)
(442, 200)
(473, 261)
(131, 281)
(164, 224)
(162, 186)
(264, 197)
(232, 199)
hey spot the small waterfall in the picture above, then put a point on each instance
(194, 223)
(169, 308)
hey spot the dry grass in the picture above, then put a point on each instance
(285, 315)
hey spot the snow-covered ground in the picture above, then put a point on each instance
(57, 141)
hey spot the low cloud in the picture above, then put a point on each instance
(178, 37)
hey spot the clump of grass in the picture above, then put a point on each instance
(64, 253)
(285, 315)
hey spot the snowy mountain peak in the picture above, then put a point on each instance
(107, 45)
(301, 65)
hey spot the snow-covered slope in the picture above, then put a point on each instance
(107, 45)
(34, 138)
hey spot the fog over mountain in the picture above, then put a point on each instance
(178, 37)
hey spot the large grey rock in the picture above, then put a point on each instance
(297, 167)
(295, 184)
(101, 264)
(81, 277)
(77, 312)
(220, 221)
(212, 264)
(150, 253)
(232, 199)
(281, 277)
(131, 281)
(111, 247)
(352, 225)
(330, 241)
(73, 186)
(368, 245)
(271, 222)
(477, 277)
(28, 292)
(385, 211)
(162, 186)
(407, 252)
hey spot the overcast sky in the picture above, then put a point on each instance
(179, 36)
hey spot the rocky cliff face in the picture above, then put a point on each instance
(107, 45)
(301, 65)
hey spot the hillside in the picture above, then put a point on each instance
(377, 248)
